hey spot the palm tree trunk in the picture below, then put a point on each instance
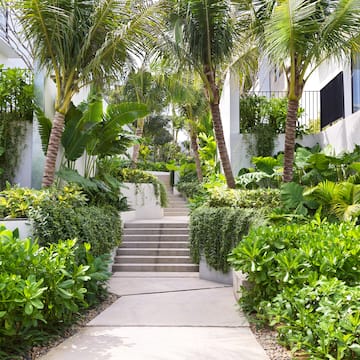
(139, 133)
(214, 100)
(195, 149)
(220, 141)
(290, 136)
(53, 149)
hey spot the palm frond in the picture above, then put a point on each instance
(45, 126)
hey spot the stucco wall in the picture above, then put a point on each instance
(342, 136)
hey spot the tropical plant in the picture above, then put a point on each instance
(146, 88)
(93, 131)
(16, 111)
(82, 42)
(298, 36)
(231, 224)
(205, 37)
(42, 290)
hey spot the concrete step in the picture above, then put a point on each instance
(182, 206)
(155, 244)
(155, 237)
(176, 209)
(136, 259)
(148, 231)
(153, 252)
(156, 267)
(170, 212)
(147, 225)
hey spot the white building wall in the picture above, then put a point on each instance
(342, 136)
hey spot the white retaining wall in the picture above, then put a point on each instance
(142, 199)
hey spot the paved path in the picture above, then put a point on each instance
(164, 316)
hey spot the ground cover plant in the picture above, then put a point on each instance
(42, 289)
(304, 279)
(232, 213)
(17, 202)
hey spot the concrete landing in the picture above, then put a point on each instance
(163, 318)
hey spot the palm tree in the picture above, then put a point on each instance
(80, 42)
(299, 35)
(143, 87)
(203, 34)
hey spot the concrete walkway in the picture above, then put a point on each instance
(164, 316)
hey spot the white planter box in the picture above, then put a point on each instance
(239, 278)
(208, 273)
(24, 226)
(142, 199)
(127, 216)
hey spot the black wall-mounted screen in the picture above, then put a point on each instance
(332, 101)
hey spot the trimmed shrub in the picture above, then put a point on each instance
(322, 319)
(100, 227)
(305, 279)
(41, 290)
(214, 232)
(252, 199)
(16, 202)
(189, 189)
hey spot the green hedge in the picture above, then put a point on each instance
(252, 199)
(216, 231)
(300, 277)
(189, 189)
(100, 227)
(42, 289)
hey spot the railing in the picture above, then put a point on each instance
(309, 120)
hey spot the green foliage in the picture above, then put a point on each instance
(189, 189)
(16, 110)
(266, 174)
(340, 201)
(322, 319)
(16, 202)
(293, 256)
(252, 199)
(293, 199)
(42, 289)
(100, 227)
(101, 190)
(265, 118)
(214, 232)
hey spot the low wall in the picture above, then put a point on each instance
(342, 136)
(24, 226)
(142, 199)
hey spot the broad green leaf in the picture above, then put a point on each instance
(29, 308)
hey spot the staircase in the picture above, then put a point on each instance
(158, 245)
(177, 205)
(154, 246)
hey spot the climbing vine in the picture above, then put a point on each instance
(16, 110)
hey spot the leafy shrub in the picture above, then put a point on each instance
(295, 255)
(41, 289)
(100, 227)
(322, 319)
(305, 280)
(16, 202)
(189, 189)
(101, 190)
(214, 232)
(140, 177)
(253, 199)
